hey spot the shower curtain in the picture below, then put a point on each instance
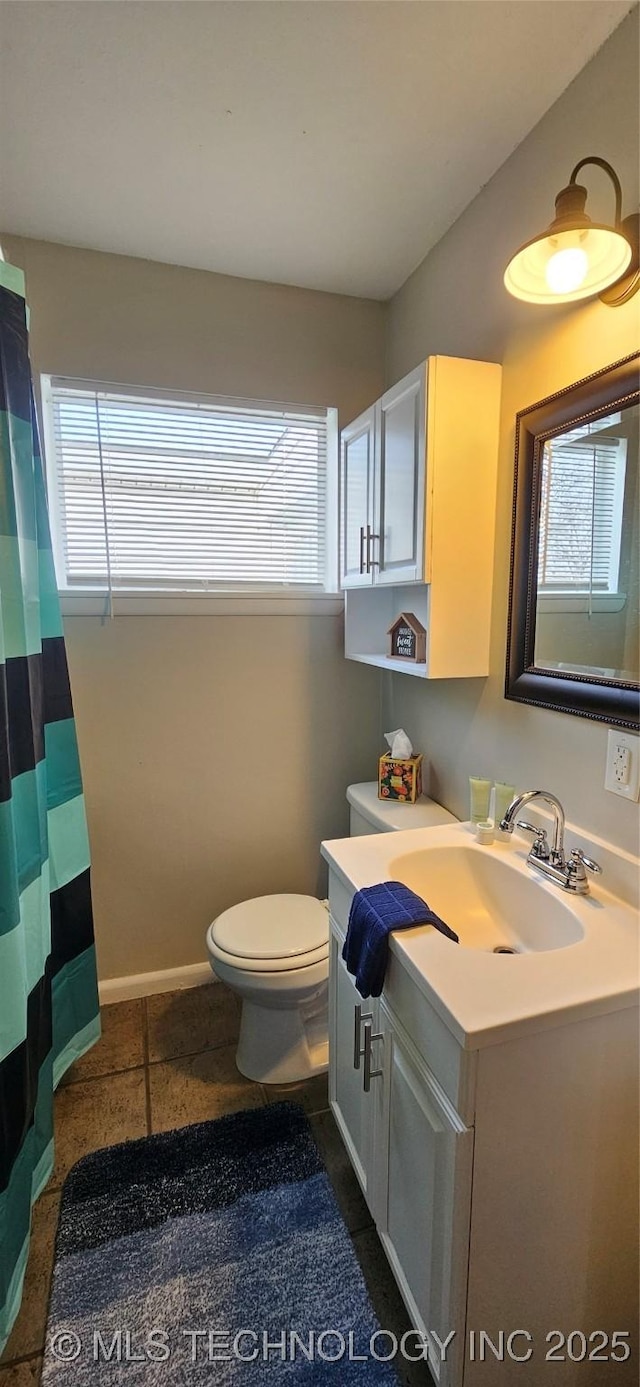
(48, 990)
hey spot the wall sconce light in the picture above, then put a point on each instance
(575, 257)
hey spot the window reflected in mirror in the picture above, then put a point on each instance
(587, 608)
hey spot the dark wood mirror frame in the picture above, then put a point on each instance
(587, 696)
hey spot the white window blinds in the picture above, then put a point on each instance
(581, 507)
(185, 494)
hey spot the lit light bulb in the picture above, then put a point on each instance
(566, 270)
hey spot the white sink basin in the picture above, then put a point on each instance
(491, 905)
(575, 955)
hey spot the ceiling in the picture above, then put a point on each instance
(307, 142)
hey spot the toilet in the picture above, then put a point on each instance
(274, 952)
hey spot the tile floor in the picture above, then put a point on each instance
(163, 1062)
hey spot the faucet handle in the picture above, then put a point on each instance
(579, 862)
(541, 846)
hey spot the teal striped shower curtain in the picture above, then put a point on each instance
(48, 991)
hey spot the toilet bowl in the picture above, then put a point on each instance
(274, 952)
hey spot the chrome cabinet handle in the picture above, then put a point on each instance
(358, 1018)
(371, 563)
(369, 1073)
(362, 549)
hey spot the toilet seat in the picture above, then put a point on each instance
(273, 953)
(272, 933)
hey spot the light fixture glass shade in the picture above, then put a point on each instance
(564, 265)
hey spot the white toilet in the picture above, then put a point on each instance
(274, 952)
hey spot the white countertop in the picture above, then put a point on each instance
(485, 998)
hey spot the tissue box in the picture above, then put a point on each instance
(401, 780)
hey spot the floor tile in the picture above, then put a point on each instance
(389, 1305)
(121, 1045)
(95, 1113)
(199, 1018)
(198, 1088)
(345, 1185)
(25, 1374)
(27, 1335)
(311, 1094)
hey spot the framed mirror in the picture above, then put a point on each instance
(573, 639)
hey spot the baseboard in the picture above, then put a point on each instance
(145, 984)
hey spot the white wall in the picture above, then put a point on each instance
(455, 304)
(215, 750)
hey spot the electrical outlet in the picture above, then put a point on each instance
(622, 774)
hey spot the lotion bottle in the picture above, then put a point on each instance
(479, 794)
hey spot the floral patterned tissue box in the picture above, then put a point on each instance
(401, 780)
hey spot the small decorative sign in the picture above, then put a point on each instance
(407, 638)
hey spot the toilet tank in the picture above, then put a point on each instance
(368, 814)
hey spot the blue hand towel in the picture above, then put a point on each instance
(375, 912)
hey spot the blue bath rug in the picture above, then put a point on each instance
(215, 1254)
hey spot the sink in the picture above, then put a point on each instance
(490, 903)
(575, 956)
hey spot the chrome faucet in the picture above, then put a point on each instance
(550, 860)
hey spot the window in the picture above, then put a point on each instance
(186, 494)
(583, 481)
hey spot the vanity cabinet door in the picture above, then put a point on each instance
(423, 1184)
(351, 1106)
(357, 477)
(399, 529)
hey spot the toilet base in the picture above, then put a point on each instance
(283, 1046)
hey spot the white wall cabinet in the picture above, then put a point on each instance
(502, 1181)
(382, 489)
(418, 489)
(399, 515)
(356, 499)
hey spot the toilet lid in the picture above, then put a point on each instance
(272, 927)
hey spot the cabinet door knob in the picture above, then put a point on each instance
(362, 548)
(369, 1073)
(358, 1018)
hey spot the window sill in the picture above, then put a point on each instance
(579, 602)
(128, 602)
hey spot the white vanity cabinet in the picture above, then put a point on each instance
(502, 1179)
(410, 1149)
(352, 1107)
(418, 492)
(422, 1144)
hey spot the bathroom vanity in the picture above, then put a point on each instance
(488, 1103)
